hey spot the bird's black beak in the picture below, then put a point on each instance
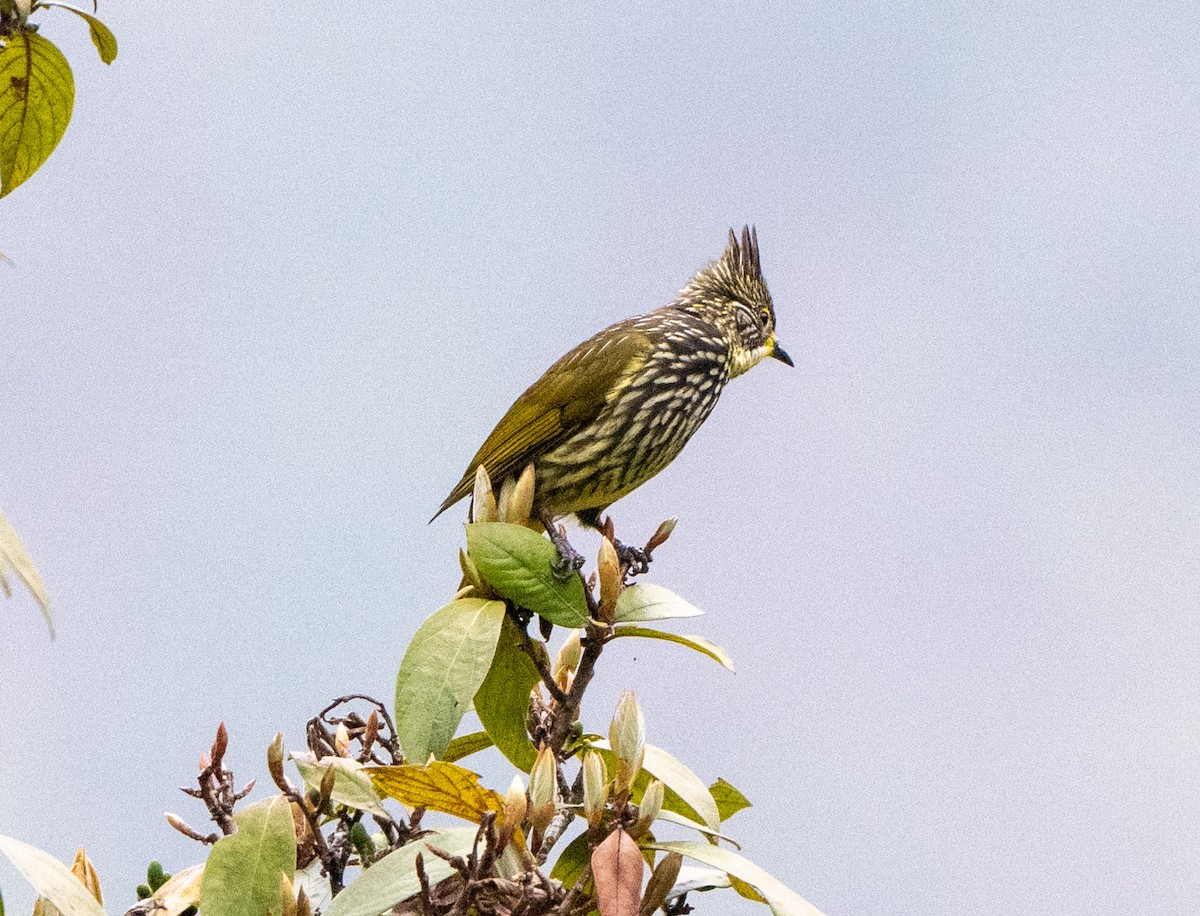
(777, 352)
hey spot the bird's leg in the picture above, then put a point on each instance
(570, 560)
(634, 560)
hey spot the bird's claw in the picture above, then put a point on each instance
(636, 560)
(569, 561)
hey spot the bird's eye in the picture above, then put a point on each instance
(765, 316)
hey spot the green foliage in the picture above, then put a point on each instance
(517, 563)
(242, 874)
(37, 90)
(446, 662)
(320, 835)
(502, 702)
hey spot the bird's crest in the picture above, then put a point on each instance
(743, 258)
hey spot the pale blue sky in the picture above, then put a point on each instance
(288, 268)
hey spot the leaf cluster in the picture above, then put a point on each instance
(380, 815)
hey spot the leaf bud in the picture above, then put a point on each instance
(610, 580)
(471, 574)
(660, 535)
(595, 787)
(483, 502)
(83, 869)
(543, 789)
(275, 763)
(516, 803)
(341, 739)
(520, 499)
(649, 807)
(627, 736)
(567, 661)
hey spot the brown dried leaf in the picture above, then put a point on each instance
(617, 869)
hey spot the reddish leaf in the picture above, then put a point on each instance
(617, 869)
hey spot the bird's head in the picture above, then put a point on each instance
(732, 294)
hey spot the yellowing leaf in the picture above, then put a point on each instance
(440, 786)
(617, 869)
(37, 94)
(13, 554)
(699, 643)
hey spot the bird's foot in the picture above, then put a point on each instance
(636, 560)
(570, 560)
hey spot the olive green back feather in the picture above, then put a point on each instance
(568, 396)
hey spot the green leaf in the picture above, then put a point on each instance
(394, 877)
(446, 662)
(466, 745)
(572, 861)
(37, 93)
(13, 554)
(102, 38)
(729, 800)
(242, 872)
(782, 900)
(352, 787)
(502, 701)
(517, 563)
(699, 643)
(51, 879)
(645, 601)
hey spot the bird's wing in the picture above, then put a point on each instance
(568, 396)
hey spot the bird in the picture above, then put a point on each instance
(618, 408)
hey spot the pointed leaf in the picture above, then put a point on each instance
(502, 701)
(102, 38)
(729, 800)
(682, 784)
(242, 872)
(440, 786)
(466, 745)
(37, 93)
(446, 662)
(51, 878)
(699, 643)
(617, 869)
(517, 563)
(394, 877)
(352, 786)
(782, 900)
(646, 601)
(13, 554)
